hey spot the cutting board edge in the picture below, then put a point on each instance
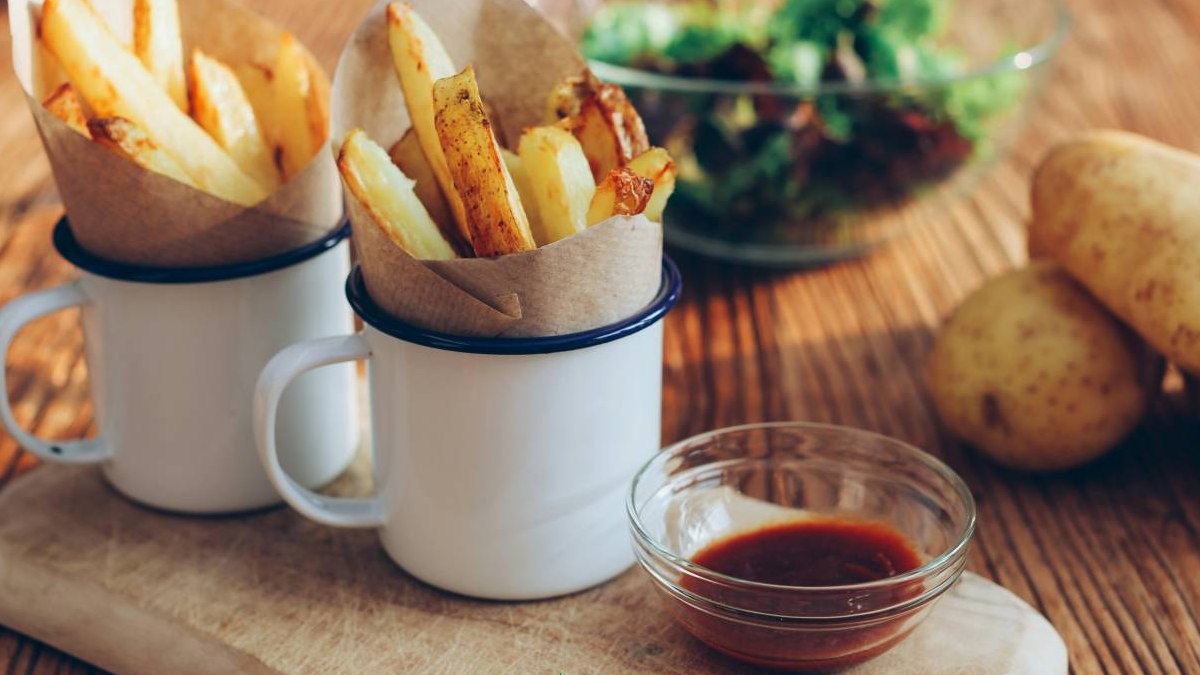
(111, 633)
(124, 628)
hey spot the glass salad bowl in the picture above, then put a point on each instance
(807, 131)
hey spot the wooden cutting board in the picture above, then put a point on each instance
(136, 591)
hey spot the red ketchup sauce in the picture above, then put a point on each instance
(814, 553)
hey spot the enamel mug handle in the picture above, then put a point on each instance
(284, 367)
(14, 316)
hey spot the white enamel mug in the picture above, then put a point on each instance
(173, 357)
(500, 464)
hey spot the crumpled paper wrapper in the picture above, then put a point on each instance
(126, 214)
(593, 279)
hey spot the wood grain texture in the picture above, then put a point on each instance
(1111, 553)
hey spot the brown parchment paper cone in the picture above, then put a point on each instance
(124, 213)
(590, 280)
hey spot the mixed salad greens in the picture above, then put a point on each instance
(752, 166)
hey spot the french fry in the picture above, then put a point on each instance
(497, 123)
(302, 116)
(561, 182)
(130, 141)
(113, 83)
(497, 221)
(257, 82)
(407, 155)
(318, 108)
(220, 106)
(602, 118)
(657, 165)
(420, 60)
(159, 44)
(255, 79)
(388, 195)
(516, 169)
(64, 105)
(47, 74)
(622, 193)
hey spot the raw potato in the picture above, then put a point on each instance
(1122, 214)
(623, 193)
(387, 194)
(113, 83)
(497, 220)
(131, 142)
(657, 165)
(64, 105)
(159, 44)
(560, 182)
(600, 115)
(1036, 374)
(420, 60)
(220, 106)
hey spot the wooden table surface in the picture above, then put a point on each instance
(1110, 553)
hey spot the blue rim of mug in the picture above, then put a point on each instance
(68, 247)
(371, 313)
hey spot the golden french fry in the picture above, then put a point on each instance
(602, 118)
(318, 103)
(47, 74)
(158, 42)
(129, 140)
(275, 105)
(220, 106)
(302, 102)
(560, 181)
(257, 82)
(407, 155)
(497, 123)
(388, 195)
(113, 83)
(516, 169)
(657, 165)
(64, 105)
(497, 221)
(255, 79)
(420, 60)
(622, 193)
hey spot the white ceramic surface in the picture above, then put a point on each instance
(496, 476)
(173, 369)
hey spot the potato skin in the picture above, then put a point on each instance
(1122, 214)
(601, 116)
(1036, 374)
(496, 217)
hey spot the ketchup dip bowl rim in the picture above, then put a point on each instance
(942, 569)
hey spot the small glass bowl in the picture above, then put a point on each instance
(742, 479)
